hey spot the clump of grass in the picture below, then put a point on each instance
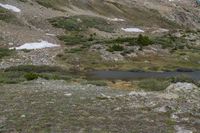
(120, 40)
(153, 84)
(115, 47)
(144, 40)
(36, 69)
(169, 41)
(5, 52)
(31, 76)
(74, 50)
(11, 77)
(22, 73)
(140, 40)
(6, 15)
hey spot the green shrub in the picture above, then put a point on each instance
(115, 47)
(5, 15)
(121, 40)
(69, 24)
(144, 40)
(153, 84)
(74, 50)
(5, 52)
(11, 77)
(31, 76)
(36, 69)
(18, 74)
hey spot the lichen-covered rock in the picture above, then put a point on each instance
(181, 87)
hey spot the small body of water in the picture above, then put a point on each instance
(126, 75)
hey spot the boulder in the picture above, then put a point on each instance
(181, 86)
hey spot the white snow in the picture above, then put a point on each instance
(68, 94)
(132, 30)
(10, 7)
(116, 19)
(49, 34)
(36, 45)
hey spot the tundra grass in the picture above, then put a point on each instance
(17, 74)
(6, 15)
(81, 23)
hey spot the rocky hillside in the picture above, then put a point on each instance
(50, 51)
(152, 12)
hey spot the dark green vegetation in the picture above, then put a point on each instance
(115, 47)
(144, 40)
(81, 23)
(141, 40)
(6, 15)
(29, 72)
(5, 52)
(166, 41)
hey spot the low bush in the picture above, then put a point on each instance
(36, 69)
(31, 76)
(5, 15)
(144, 40)
(5, 52)
(115, 47)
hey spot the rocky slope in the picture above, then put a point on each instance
(102, 35)
(57, 106)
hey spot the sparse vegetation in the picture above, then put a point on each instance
(141, 40)
(115, 47)
(184, 78)
(6, 15)
(144, 40)
(31, 76)
(81, 23)
(73, 39)
(97, 82)
(5, 52)
(153, 84)
(22, 73)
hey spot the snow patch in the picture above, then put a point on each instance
(137, 30)
(116, 19)
(36, 45)
(49, 34)
(68, 94)
(10, 7)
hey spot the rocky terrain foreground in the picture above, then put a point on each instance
(57, 106)
(49, 48)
